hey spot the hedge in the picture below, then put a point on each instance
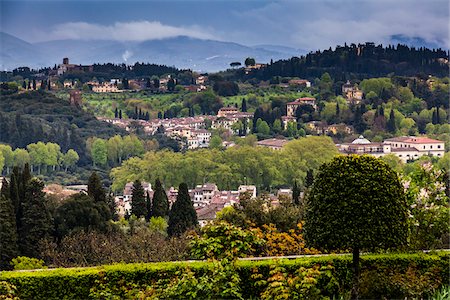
(382, 275)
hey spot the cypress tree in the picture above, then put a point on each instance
(24, 85)
(116, 113)
(391, 126)
(8, 232)
(14, 194)
(182, 216)
(309, 180)
(120, 114)
(148, 202)
(296, 193)
(160, 203)
(95, 188)
(112, 206)
(338, 112)
(438, 118)
(36, 220)
(244, 105)
(434, 117)
(29, 85)
(138, 204)
(34, 84)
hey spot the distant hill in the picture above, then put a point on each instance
(34, 116)
(182, 52)
(358, 61)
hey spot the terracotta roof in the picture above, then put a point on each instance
(272, 143)
(404, 149)
(414, 140)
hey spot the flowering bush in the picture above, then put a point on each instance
(428, 207)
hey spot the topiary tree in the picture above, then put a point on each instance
(358, 203)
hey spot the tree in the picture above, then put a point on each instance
(249, 61)
(182, 216)
(171, 84)
(235, 64)
(262, 127)
(148, 203)
(8, 230)
(36, 223)
(244, 105)
(95, 188)
(99, 152)
(358, 203)
(296, 193)
(215, 142)
(70, 159)
(138, 204)
(116, 113)
(81, 212)
(391, 125)
(160, 202)
(309, 180)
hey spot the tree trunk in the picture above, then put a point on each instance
(355, 288)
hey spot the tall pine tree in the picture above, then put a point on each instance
(182, 216)
(244, 105)
(138, 204)
(148, 202)
(160, 203)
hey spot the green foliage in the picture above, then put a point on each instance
(262, 167)
(160, 202)
(95, 188)
(36, 221)
(81, 212)
(428, 207)
(223, 240)
(8, 230)
(182, 215)
(138, 204)
(158, 225)
(8, 291)
(245, 278)
(356, 202)
(27, 263)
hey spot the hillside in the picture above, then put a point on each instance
(182, 52)
(359, 61)
(39, 116)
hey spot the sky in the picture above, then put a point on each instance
(306, 25)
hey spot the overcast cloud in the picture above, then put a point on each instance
(308, 25)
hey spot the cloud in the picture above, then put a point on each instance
(321, 24)
(124, 31)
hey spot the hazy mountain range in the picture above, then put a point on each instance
(181, 52)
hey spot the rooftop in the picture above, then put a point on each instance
(414, 140)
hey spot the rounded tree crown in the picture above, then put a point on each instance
(356, 202)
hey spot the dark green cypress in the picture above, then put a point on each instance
(138, 204)
(148, 201)
(8, 233)
(160, 202)
(182, 216)
(309, 180)
(112, 206)
(95, 188)
(36, 221)
(244, 105)
(391, 126)
(296, 193)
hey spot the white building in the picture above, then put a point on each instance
(406, 147)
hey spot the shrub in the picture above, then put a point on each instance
(383, 276)
(27, 263)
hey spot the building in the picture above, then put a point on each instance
(300, 82)
(225, 111)
(202, 195)
(406, 148)
(75, 98)
(275, 144)
(291, 108)
(286, 120)
(66, 67)
(105, 88)
(352, 93)
(419, 145)
(250, 189)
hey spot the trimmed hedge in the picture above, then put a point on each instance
(382, 275)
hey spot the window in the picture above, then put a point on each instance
(423, 147)
(431, 147)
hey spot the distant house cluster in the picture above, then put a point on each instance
(67, 67)
(406, 147)
(352, 93)
(207, 199)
